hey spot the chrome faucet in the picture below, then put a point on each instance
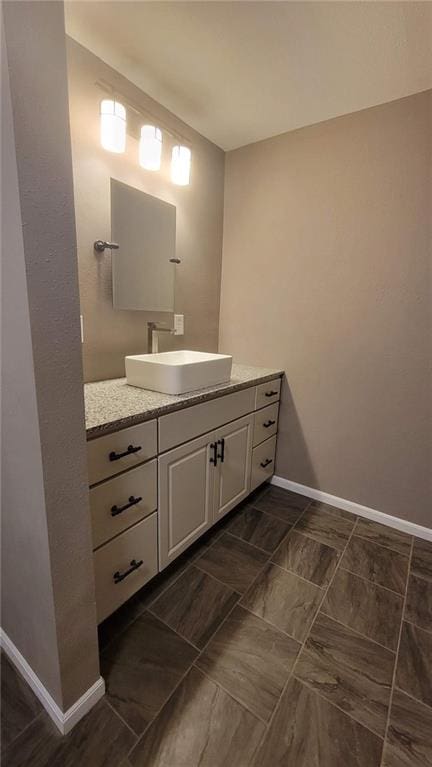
(152, 336)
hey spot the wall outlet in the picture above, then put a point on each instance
(179, 324)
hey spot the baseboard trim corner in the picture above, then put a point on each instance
(64, 720)
(355, 508)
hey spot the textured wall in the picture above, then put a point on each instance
(326, 273)
(47, 555)
(111, 334)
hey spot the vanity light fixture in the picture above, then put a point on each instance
(113, 125)
(180, 165)
(150, 147)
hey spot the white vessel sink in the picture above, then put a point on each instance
(177, 372)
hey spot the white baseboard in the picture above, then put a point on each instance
(64, 720)
(355, 508)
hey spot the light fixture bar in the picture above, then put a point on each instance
(144, 113)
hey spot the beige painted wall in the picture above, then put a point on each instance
(111, 334)
(326, 273)
(47, 561)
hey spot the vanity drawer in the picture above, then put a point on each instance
(109, 455)
(263, 458)
(183, 425)
(122, 501)
(137, 544)
(265, 423)
(267, 393)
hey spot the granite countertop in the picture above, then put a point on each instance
(113, 404)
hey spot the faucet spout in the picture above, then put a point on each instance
(153, 329)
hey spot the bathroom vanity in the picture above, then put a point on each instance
(163, 469)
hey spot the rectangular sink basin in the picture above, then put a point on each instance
(177, 372)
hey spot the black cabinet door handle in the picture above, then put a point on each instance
(266, 463)
(268, 423)
(131, 449)
(118, 509)
(271, 393)
(214, 457)
(134, 565)
(221, 455)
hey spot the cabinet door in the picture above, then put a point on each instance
(186, 491)
(232, 476)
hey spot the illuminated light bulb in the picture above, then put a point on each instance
(180, 165)
(150, 147)
(113, 126)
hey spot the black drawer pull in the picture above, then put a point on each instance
(268, 423)
(214, 458)
(131, 449)
(134, 565)
(265, 463)
(221, 442)
(271, 393)
(118, 510)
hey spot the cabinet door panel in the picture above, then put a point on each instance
(186, 486)
(232, 479)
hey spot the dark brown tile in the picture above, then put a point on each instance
(195, 605)
(349, 670)
(142, 667)
(200, 726)
(326, 528)
(282, 504)
(258, 528)
(233, 562)
(100, 740)
(306, 557)
(251, 660)
(409, 738)
(382, 566)
(284, 600)
(421, 563)
(307, 731)
(414, 669)
(19, 705)
(365, 607)
(418, 607)
(320, 506)
(384, 535)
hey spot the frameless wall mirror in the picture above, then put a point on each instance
(143, 267)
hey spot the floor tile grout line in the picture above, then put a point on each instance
(296, 575)
(302, 644)
(335, 705)
(123, 721)
(373, 583)
(397, 655)
(416, 625)
(165, 702)
(383, 546)
(416, 700)
(326, 590)
(24, 729)
(358, 633)
(152, 601)
(230, 694)
(201, 651)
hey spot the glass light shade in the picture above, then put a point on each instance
(150, 147)
(180, 165)
(113, 126)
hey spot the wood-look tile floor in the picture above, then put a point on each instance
(292, 633)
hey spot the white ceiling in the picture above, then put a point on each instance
(240, 71)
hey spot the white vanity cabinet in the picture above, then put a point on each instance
(201, 481)
(156, 487)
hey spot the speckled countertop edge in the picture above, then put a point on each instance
(113, 404)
